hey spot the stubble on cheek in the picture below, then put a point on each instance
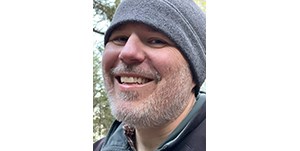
(114, 94)
(128, 95)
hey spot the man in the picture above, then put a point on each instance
(153, 66)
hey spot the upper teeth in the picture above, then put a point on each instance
(133, 80)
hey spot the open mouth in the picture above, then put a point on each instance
(132, 80)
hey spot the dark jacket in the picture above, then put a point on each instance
(191, 138)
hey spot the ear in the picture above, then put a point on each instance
(193, 87)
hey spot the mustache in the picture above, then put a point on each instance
(135, 69)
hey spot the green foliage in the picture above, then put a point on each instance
(106, 8)
(201, 4)
(102, 118)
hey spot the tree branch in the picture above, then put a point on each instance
(97, 31)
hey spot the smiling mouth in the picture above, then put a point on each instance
(132, 80)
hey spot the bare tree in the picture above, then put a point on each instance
(104, 10)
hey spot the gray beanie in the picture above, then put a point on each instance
(180, 20)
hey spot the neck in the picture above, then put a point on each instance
(148, 139)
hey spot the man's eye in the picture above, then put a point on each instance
(120, 40)
(157, 43)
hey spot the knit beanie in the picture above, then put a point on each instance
(180, 20)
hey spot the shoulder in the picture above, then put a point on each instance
(98, 144)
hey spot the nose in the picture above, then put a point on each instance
(133, 51)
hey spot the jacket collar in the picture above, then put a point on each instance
(117, 140)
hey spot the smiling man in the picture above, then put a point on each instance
(153, 67)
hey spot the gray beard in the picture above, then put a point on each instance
(165, 104)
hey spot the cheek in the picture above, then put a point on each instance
(110, 57)
(168, 62)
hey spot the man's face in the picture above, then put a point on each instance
(147, 79)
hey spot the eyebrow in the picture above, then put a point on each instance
(118, 28)
(153, 30)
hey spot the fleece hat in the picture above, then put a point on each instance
(180, 20)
